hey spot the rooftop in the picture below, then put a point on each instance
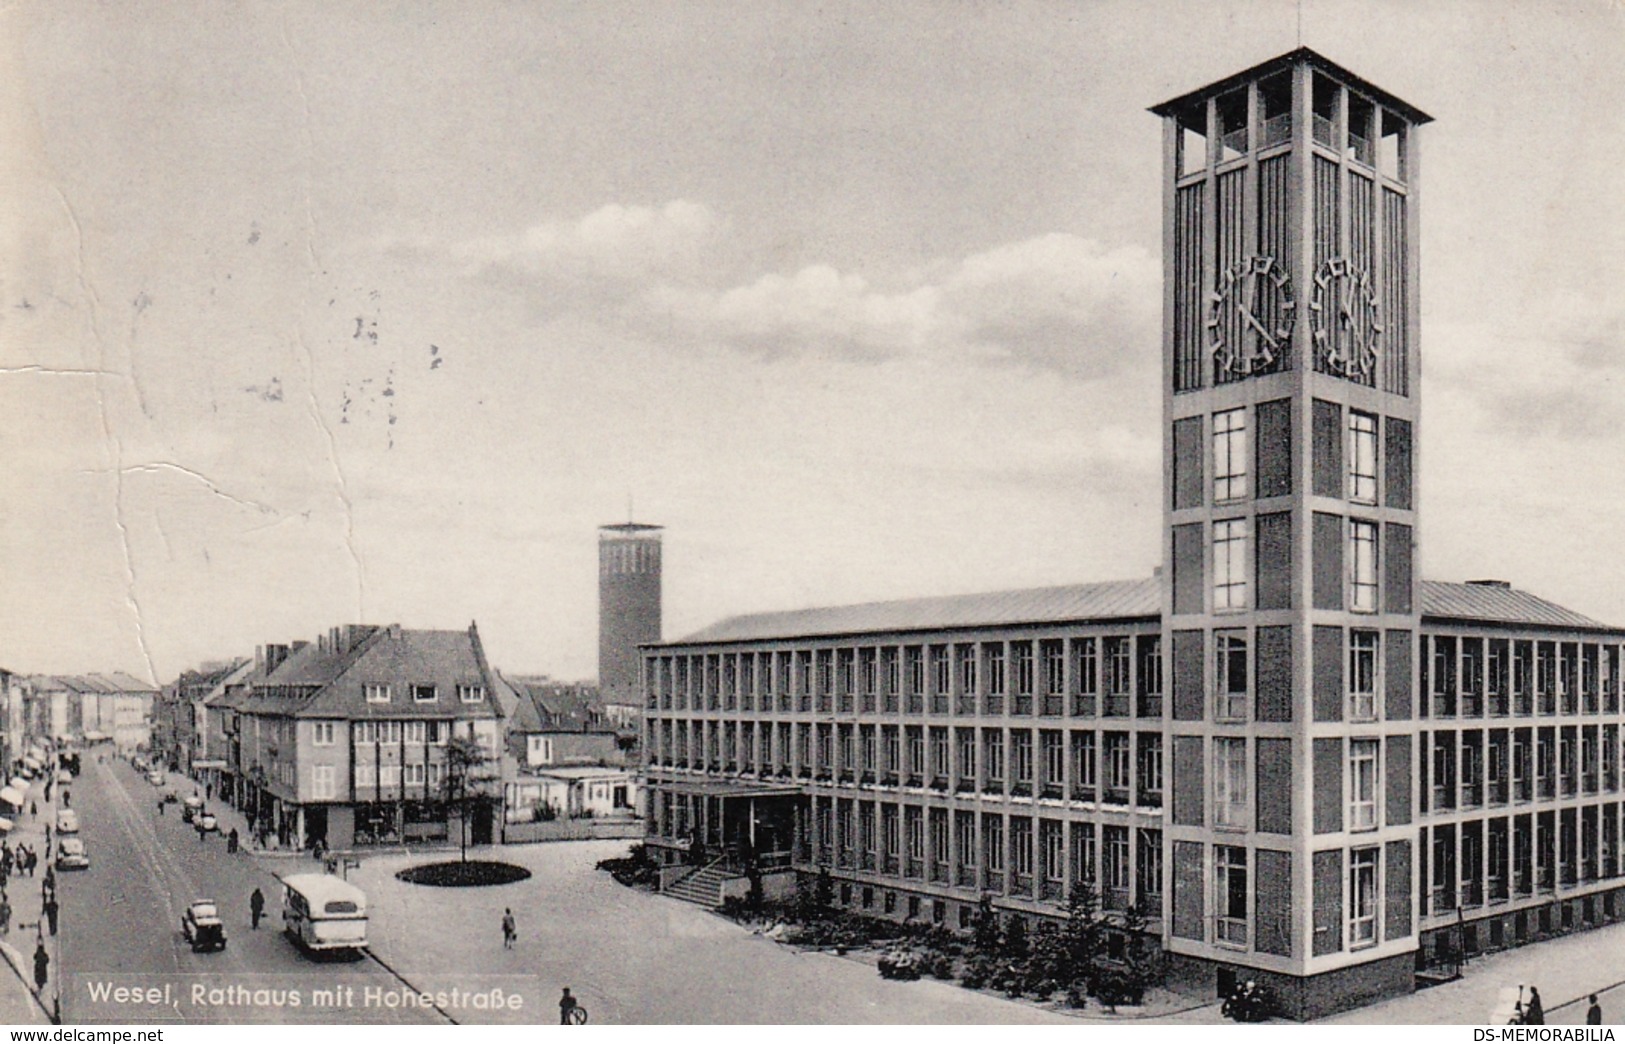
(1477, 602)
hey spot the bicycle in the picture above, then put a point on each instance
(577, 1016)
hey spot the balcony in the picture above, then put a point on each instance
(1052, 791)
(1115, 796)
(1083, 793)
(939, 782)
(1150, 799)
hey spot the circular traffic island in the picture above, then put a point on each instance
(475, 873)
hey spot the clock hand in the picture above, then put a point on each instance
(1256, 325)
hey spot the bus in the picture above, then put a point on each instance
(321, 912)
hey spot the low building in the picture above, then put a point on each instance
(557, 727)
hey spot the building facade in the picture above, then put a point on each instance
(1303, 764)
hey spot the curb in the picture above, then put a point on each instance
(15, 959)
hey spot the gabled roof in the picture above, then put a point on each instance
(1479, 602)
(1116, 599)
(118, 681)
(402, 658)
(552, 705)
(1497, 602)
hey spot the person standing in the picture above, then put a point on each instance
(256, 907)
(567, 1004)
(509, 929)
(49, 908)
(1535, 1013)
(1594, 1013)
(42, 964)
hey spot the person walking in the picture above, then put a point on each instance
(49, 908)
(1594, 1013)
(42, 964)
(1534, 1013)
(567, 1006)
(509, 929)
(5, 914)
(256, 907)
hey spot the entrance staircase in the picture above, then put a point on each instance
(703, 887)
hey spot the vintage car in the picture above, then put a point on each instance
(156, 778)
(191, 807)
(71, 855)
(200, 926)
(205, 822)
(67, 821)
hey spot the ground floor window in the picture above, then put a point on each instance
(1230, 894)
(1363, 897)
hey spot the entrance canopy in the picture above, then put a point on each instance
(726, 788)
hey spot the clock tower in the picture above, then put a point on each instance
(1289, 592)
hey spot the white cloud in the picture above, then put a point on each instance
(614, 242)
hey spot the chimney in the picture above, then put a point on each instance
(274, 655)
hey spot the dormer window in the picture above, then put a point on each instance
(375, 693)
(425, 693)
(471, 693)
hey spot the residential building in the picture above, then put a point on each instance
(349, 740)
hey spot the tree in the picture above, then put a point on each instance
(464, 758)
(1082, 934)
(987, 935)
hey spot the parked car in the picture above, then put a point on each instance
(67, 821)
(191, 807)
(156, 778)
(71, 855)
(200, 926)
(205, 822)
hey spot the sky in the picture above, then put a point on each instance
(330, 312)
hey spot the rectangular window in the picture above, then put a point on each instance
(414, 774)
(1021, 762)
(1230, 455)
(1362, 458)
(425, 693)
(1117, 767)
(1230, 801)
(322, 733)
(1085, 676)
(1363, 784)
(1362, 675)
(375, 693)
(1230, 678)
(1362, 897)
(476, 693)
(1230, 895)
(1150, 759)
(993, 757)
(1083, 766)
(416, 731)
(321, 778)
(1230, 565)
(1054, 755)
(1116, 856)
(1363, 563)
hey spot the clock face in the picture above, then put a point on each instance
(1250, 317)
(1347, 320)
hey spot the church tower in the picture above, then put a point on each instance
(1289, 593)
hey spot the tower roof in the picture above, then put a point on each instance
(1286, 61)
(630, 528)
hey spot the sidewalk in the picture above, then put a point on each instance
(19, 1003)
(1565, 970)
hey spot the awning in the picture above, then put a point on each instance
(13, 796)
(20, 783)
(209, 763)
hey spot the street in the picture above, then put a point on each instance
(120, 925)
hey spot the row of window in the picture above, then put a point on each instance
(1240, 659)
(1234, 565)
(323, 783)
(1506, 857)
(1475, 767)
(1236, 916)
(1359, 782)
(1121, 675)
(1350, 450)
(1471, 676)
(1073, 764)
(379, 692)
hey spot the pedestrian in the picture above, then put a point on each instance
(509, 929)
(1594, 1013)
(208, 792)
(1535, 1013)
(232, 840)
(67, 799)
(160, 806)
(256, 907)
(49, 908)
(567, 1006)
(33, 810)
(5, 915)
(42, 962)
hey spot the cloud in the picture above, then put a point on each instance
(1057, 303)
